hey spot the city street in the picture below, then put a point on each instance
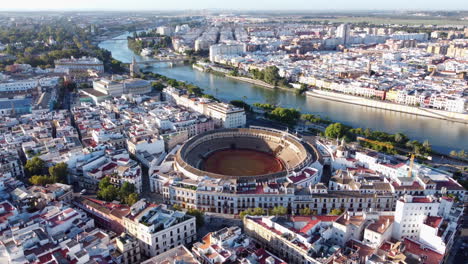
(215, 222)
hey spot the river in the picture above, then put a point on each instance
(444, 136)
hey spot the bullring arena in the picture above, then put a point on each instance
(254, 153)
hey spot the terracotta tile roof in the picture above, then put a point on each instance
(382, 224)
(427, 255)
(433, 221)
(414, 186)
(356, 220)
(313, 221)
(362, 250)
(421, 200)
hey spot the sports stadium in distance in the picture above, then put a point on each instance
(244, 154)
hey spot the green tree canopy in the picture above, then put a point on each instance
(104, 183)
(336, 130)
(157, 86)
(126, 193)
(132, 199)
(266, 107)
(209, 96)
(462, 154)
(400, 138)
(126, 189)
(35, 166)
(41, 180)
(279, 210)
(59, 172)
(110, 193)
(252, 211)
(307, 211)
(285, 115)
(336, 212)
(271, 75)
(427, 146)
(173, 83)
(199, 215)
(241, 104)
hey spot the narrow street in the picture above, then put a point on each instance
(146, 186)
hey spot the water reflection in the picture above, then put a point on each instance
(443, 135)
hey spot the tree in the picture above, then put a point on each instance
(59, 172)
(336, 130)
(132, 199)
(285, 115)
(192, 89)
(241, 104)
(41, 180)
(462, 154)
(427, 146)
(211, 97)
(107, 191)
(453, 196)
(306, 211)
(258, 211)
(125, 190)
(279, 210)
(35, 166)
(173, 83)
(336, 212)
(266, 107)
(453, 153)
(271, 75)
(116, 66)
(367, 132)
(234, 72)
(110, 193)
(302, 89)
(157, 86)
(104, 183)
(256, 74)
(200, 217)
(400, 138)
(250, 211)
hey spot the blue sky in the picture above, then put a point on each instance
(234, 4)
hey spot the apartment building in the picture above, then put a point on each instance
(159, 229)
(226, 49)
(410, 213)
(225, 115)
(128, 248)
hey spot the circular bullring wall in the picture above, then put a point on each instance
(242, 153)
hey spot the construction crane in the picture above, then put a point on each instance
(387, 145)
(410, 171)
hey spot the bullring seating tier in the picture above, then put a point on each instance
(286, 147)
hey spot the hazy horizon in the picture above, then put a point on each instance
(240, 5)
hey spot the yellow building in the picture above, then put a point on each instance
(392, 95)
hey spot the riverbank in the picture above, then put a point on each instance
(259, 83)
(444, 136)
(419, 111)
(198, 67)
(251, 81)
